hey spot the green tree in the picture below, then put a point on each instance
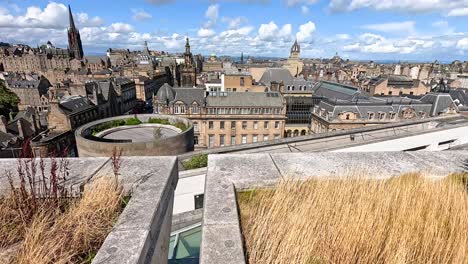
(8, 100)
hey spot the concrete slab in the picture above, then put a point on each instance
(224, 247)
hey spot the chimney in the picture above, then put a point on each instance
(3, 124)
(20, 129)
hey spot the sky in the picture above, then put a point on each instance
(407, 30)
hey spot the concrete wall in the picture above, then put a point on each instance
(90, 146)
(141, 233)
(436, 141)
(191, 183)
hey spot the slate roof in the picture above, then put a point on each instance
(245, 99)
(362, 108)
(296, 82)
(190, 95)
(165, 94)
(96, 59)
(276, 75)
(6, 139)
(459, 95)
(334, 91)
(440, 102)
(75, 104)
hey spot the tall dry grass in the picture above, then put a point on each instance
(75, 235)
(403, 220)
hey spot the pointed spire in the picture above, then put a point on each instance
(70, 18)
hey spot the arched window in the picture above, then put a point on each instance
(347, 116)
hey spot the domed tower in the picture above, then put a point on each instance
(295, 50)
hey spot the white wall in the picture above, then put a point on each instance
(432, 140)
(189, 185)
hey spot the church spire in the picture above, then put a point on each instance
(74, 39)
(70, 18)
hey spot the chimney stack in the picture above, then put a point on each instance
(3, 124)
(20, 129)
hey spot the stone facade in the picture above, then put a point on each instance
(395, 85)
(187, 71)
(225, 119)
(32, 93)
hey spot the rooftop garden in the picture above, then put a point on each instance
(133, 121)
(42, 222)
(406, 219)
(196, 162)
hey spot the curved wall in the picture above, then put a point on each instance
(91, 146)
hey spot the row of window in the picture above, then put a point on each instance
(292, 87)
(255, 125)
(244, 111)
(233, 139)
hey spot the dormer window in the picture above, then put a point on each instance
(370, 115)
(381, 116)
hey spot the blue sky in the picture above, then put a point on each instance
(422, 30)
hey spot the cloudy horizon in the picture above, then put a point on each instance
(418, 30)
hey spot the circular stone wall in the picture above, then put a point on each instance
(145, 139)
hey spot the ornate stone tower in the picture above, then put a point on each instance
(188, 71)
(294, 64)
(74, 39)
(188, 54)
(295, 51)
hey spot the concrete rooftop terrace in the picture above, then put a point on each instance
(141, 234)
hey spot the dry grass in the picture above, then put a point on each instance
(72, 235)
(403, 220)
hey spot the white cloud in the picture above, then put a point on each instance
(305, 31)
(234, 22)
(458, 12)
(85, 21)
(407, 27)
(304, 10)
(271, 31)
(299, 2)
(54, 15)
(140, 14)
(372, 43)
(205, 32)
(342, 36)
(212, 14)
(244, 31)
(463, 44)
(120, 28)
(398, 5)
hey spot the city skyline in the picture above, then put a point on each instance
(378, 30)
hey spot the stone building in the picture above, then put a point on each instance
(294, 64)
(22, 58)
(32, 93)
(187, 71)
(344, 107)
(239, 82)
(119, 57)
(395, 85)
(213, 64)
(225, 118)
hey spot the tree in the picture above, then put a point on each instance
(8, 100)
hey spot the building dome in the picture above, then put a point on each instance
(165, 94)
